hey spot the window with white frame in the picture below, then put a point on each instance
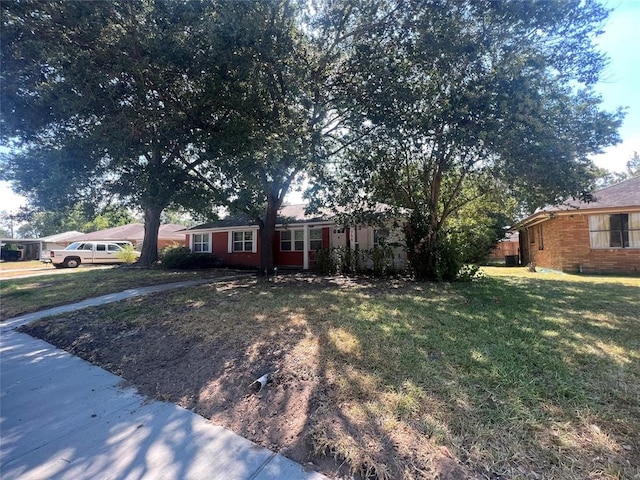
(201, 243)
(285, 241)
(315, 239)
(243, 241)
(291, 240)
(620, 230)
(380, 237)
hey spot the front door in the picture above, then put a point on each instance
(338, 237)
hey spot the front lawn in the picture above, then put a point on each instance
(517, 376)
(25, 295)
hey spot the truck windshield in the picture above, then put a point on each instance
(74, 246)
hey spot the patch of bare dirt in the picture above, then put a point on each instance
(209, 367)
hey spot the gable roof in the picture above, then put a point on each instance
(134, 232)
(288, 214)
(70, 236)
(614, 198)
(623, 194)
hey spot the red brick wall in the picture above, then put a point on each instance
(295, 258)
(285, 258)
(220, 247)
(566, 247)
(219, 244)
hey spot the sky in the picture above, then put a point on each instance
(620, 82)
(619, 87)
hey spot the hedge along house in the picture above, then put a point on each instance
(602, 236)
(297, 239)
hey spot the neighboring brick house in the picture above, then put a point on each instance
(168, 234)
(298, 236)
(602, 236)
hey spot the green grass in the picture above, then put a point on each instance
(25, 295)
(519, 375)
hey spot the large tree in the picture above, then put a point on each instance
(472, 97)
(297, 54)
(119, 101)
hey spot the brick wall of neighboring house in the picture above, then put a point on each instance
(163, 243)
(564, 245)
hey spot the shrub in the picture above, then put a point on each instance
(128, 254)
(382, 260)
(469, 272)
(173, 248)
(448, 259)
(326, 261)
(181, 258)
(378, 261)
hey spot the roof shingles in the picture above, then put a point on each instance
(620, 195)
(623, 195)
(288, 214)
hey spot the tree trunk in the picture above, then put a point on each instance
(422, 237)
(149, 254)
(267, 230)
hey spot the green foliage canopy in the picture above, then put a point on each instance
(118, 101)
(475, 98)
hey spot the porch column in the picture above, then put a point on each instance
(305, 252)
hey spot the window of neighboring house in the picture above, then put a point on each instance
(243, 241)
(540, 238)
(201, 243)
(315, 239)
(532, 236)
(620, 230)
(291, 240)
(380, 237)
(619, 233)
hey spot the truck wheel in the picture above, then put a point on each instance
(72, 262)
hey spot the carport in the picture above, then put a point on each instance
(30, 247)
(34, 248)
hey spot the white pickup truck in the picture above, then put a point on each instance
(88, 252)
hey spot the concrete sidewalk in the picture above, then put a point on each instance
(63, 418)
